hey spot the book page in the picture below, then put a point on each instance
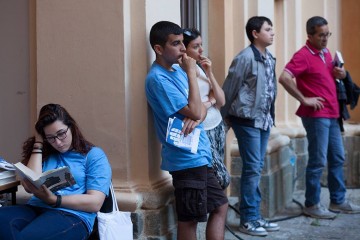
(176, 138)
(54, 179)
(57, 179)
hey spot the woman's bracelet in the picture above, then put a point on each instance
(58, 201)
(37, 147)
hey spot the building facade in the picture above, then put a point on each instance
(92, 57)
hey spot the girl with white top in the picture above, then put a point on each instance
(213, 99)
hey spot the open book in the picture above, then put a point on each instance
(174, 136)
(338, 60)
(54, 179)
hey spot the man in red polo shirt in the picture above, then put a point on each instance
(315, 89)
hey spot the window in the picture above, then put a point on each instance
(191, 14)
(194, 14)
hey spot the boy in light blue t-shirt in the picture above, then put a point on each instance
(172, 91)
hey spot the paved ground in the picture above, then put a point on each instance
(344, 226)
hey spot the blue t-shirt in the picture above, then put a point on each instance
(91, 172)
(167, 93)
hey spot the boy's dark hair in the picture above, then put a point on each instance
(255, 23)
(314, 22)
(190, 34)
(161, 30)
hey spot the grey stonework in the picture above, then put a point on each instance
(156, 224)
(281, 177)
(351, 165)
(276, 184)
(300, 145)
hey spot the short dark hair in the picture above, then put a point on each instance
(314, 22)
(161, 30)
(190, 34)
(255, 23)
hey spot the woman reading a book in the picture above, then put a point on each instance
(69, 212)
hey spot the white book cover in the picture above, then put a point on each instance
(174, 136)
(54, 179)
(338, 59)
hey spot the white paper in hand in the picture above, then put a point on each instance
(174, 136)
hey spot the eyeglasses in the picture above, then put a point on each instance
(60, 136)
(325, 35)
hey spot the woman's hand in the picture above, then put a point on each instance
(42, 193)
(216, 91)
(38, 137)
(91, 201)
(25, 184)
(205, 64)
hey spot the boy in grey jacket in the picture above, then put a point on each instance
(250, 91)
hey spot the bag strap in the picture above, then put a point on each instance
(115, 205)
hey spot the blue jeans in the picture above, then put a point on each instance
(22, 222)
(325, 146)
(252, 146)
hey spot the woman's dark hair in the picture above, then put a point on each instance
(255, 23)
(314, 22)
(189, 35)
(48, 115)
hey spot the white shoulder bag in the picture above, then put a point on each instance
(115, 225)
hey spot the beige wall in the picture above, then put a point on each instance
(92, 57)
(80, 64)
(14, 78)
